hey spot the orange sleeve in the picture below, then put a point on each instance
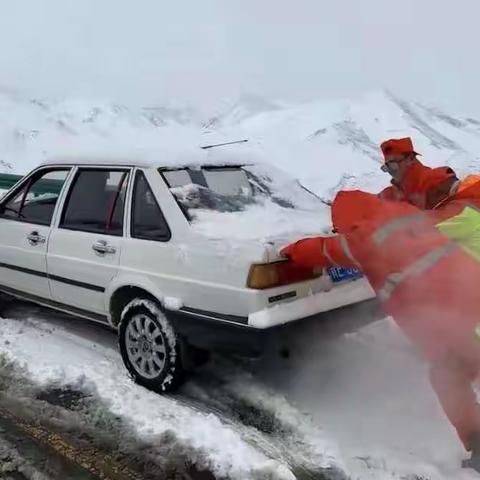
(338, 254)
(307, 252)
(321, 252)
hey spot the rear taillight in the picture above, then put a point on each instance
(283, 272)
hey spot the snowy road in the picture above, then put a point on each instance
(355, 407)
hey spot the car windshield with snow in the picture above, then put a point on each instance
(177, 251)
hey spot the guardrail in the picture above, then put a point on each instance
(8, 180)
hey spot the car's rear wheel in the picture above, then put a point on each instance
(149, 346)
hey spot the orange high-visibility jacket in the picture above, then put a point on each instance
(423, 187)
(425, 268)
(429, 186)
(425, 279)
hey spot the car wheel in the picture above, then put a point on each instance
(149, 346)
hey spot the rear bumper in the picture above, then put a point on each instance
(263, 331)
(339, 296)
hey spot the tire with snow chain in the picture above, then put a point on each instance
(149, 346)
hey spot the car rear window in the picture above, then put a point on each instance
(245, 202)
(233, 189)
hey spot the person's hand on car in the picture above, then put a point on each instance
(307, 252)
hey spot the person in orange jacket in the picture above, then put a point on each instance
(423, 187)
(422, 257)
(400, 158)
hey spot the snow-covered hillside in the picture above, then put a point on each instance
(32, 129)
(326, 144)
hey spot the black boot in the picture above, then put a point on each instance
(474, 461)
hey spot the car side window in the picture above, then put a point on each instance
(35, 201)
(96, 201)
(148, 222)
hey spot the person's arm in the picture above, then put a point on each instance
(321, 252)
(438, 190)
(392, 193)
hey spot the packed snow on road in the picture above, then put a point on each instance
(356, 405)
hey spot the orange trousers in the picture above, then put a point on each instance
(452, 378)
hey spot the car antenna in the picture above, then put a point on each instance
(206, 147)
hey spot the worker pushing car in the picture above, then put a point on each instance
(418, 243)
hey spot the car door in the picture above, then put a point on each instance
(26, 215)
(84, 248)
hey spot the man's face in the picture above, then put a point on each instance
(397, 165)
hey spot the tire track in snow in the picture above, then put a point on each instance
(264, 418)
(253, 456)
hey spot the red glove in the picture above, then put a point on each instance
(307, 252)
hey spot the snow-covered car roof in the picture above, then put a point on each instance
(171, 157)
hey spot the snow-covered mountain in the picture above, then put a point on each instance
(334, 144)
(246, 107)
(326, 144)
(32, 129)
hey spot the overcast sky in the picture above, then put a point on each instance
(207, 52)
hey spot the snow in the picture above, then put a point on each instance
(13, 464)
(277, 209)
(263, 222)
(53, 356)
(172, 303)
(335, 144)
(326, 143)
(361, 403)
(149, 151)
(370, 391)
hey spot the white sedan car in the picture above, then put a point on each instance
(176, 250)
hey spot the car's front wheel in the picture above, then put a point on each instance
(150, 347)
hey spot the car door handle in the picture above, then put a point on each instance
(101, 246)
(34, 238)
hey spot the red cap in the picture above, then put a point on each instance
(397, 146)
